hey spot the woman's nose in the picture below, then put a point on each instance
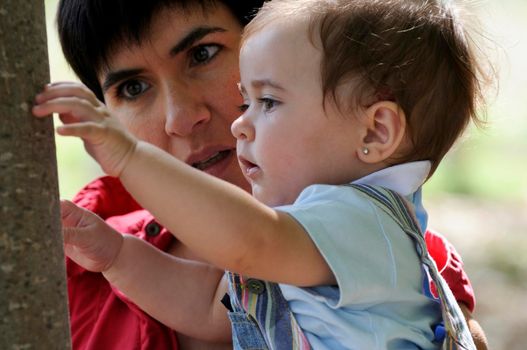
(243, 129)
(185, 113)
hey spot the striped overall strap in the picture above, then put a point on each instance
(264, 302)
(393, 204)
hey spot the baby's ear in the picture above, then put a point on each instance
(385, 126)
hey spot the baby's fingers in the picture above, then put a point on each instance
(88, 131)
(71, 214)
(79, 109)
(66, 89)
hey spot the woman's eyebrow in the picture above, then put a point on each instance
(113, 77)
(194, 35)
(186, 42)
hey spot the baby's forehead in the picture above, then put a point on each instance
(280, 45)
(280, 34)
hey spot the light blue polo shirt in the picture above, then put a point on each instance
(378, 302)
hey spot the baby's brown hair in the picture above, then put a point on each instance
(416, 53)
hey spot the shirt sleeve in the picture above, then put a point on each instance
(450, 266)
(106, 197)
(363, 247)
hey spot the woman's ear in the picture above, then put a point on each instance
(385, 127)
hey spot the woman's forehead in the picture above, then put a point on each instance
(172, 33)
(175, 26)
(178, 21)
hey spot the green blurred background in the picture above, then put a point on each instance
(478, 196)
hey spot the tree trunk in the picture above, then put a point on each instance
(33, 302)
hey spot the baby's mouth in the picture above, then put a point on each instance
(215, 158)
(249, 168)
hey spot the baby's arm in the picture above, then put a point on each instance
(218, 221)
(223, 224)
(164, 286)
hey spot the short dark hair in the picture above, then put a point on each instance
(89, 29)
(416, 53)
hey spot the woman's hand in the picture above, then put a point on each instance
(88, 240)
(84, 116)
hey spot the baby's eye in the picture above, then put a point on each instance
(131, 89)
(202, 54)
(268, 103)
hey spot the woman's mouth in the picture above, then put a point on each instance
(212, 160)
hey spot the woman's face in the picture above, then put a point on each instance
(177, 88)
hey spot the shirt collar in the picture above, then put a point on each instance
(403, 178)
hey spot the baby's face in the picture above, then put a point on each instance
(286, 139)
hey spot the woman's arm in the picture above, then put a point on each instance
(475, 329)
(450, 265)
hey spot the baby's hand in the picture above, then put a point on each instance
(84, 116)
(88, 240)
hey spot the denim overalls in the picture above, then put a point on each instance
(261, 318)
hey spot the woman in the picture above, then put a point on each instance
(168, 70)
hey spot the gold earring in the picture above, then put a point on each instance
(365, 151)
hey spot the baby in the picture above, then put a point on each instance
(349, 106)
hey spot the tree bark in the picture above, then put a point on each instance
(33, 301)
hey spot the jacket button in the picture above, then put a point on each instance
(255, 286)
(152, 229)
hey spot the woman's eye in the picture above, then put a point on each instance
(243, 107)
(132, 89)
(203, 54)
